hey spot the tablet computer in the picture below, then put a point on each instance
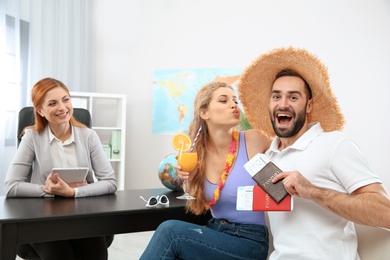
(70, 175)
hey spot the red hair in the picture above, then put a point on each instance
(38, 94)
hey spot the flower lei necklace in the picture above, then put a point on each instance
(227, 168)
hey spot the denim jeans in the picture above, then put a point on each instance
(175, 239)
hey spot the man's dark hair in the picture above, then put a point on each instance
(293, 73)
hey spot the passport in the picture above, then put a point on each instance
(263, 171)
(254, 198)
(263, 202)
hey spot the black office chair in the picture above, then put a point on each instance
(26, 118)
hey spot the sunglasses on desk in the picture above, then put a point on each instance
(156, 201)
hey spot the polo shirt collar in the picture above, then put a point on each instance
(315, 129)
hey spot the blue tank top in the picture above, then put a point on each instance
(226, 205)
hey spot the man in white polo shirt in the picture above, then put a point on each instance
(323, 168)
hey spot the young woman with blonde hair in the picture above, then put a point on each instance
(222, 151)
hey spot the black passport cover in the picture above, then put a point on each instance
(264, 179)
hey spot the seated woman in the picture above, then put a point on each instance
(58, 140)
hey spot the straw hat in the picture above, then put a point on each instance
(256, 81)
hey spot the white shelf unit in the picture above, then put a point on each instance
(108, 112)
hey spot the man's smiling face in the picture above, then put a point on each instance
(288, 106)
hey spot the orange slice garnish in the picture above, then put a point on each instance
(181, 142)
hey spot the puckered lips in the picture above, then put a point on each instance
(236, 113)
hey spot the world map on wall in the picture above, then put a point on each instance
(174, 92)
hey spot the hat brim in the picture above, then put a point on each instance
(256, 81)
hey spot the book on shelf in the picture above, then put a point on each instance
(254, 198)
(116, 144)
(263, 171)
(107, 150)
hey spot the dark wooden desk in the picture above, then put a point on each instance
(27, 220)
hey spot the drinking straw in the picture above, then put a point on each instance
(181, 149)
(196, 138)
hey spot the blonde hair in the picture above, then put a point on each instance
(201, 103)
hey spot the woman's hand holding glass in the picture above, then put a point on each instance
(185, 175)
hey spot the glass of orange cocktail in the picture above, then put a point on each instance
(188, 162)
(187, 159)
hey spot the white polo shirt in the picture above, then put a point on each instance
(329, 160)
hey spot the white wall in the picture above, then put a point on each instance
(136, 37)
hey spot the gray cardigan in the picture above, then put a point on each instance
(34, 151)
